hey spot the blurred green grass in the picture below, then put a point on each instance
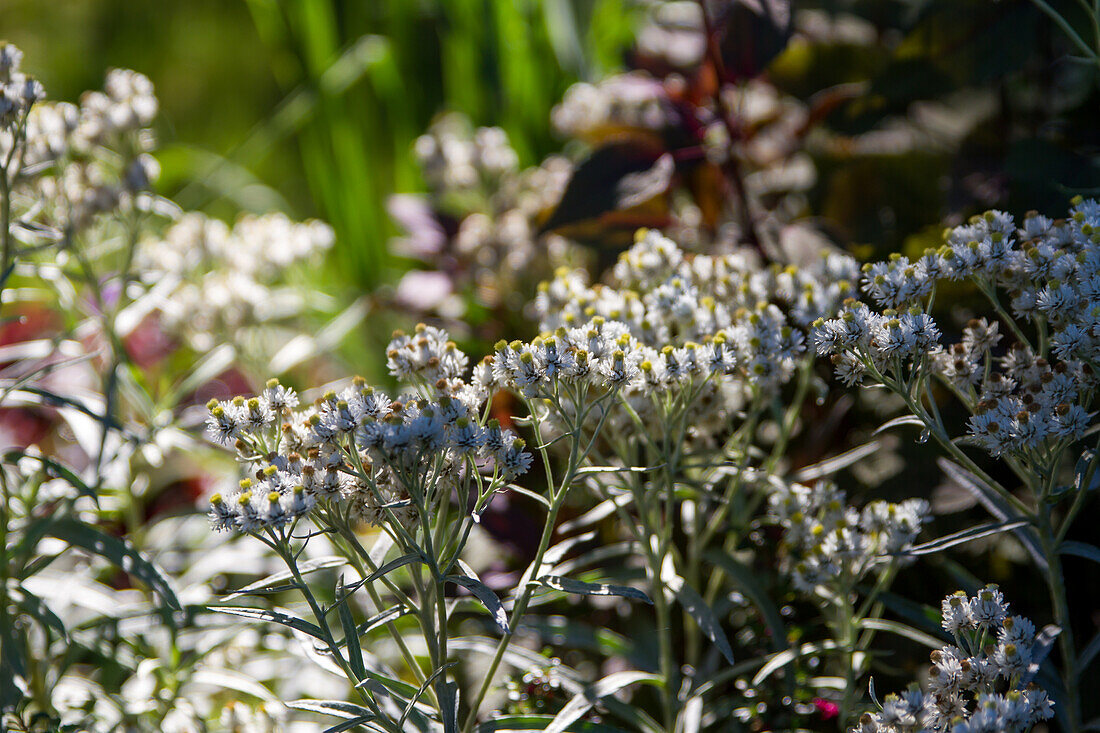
(312, 106)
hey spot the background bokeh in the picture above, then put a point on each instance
(312, 106)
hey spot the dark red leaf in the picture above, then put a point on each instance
(752, 33)
(613, 184)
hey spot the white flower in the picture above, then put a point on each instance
(226, 421)
(618, 370)
(222, 516)
(957, 613)
(513, 460)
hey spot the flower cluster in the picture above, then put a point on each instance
(632, 100)
(974, 687)
(1030, 398)
(82, 161)
(383, 459)
(18, 92)
(860, 339)
(212, 280)
(126, 105)
(827, 541)
(451, 158)
(478, 226)
(749, 319)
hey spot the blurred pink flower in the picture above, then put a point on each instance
(426, 236)
(423, 290)
(828, 710)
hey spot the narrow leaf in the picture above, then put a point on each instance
(1084, 659)
(1080, 549)
(898, 421)
(508, 723)
(392, 565)
(599, 512)
(591, 695)
(349, 724)
(487, 597)
(283, 619)
(118, 551)
(694, 604)
(227, 679)
(895, 627)
(570, 585)
(555, 554)
(533, 495)
(785, 657)
(52, 469)
(750, 585)
(211, 365)
(830, 466)
(378, 619)
(421, 690)
(389, 685)
(272, 581)
(338, 708)
(996, 506)
(351, 633)
(34, 607)
(963, 536)
(517, 656)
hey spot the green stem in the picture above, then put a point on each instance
(5, 570)
(5, 226)
(1056, 585)
(365, 566)
(804, 375)
(937, 431)
(1083, 492)
(847, 622)
(1067, 29)
(530, 576)
(664, 641)
(990, 292)
(282, 548)
(7, 179)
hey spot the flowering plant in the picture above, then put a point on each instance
(647, 508)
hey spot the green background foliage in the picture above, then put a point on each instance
(312, 107)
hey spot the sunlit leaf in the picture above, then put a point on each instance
(118, 551)
(53, 469)
(963, 536)
(393, 565)
(900, 629)
(274, 580)
(829, 466)
(591, 695)
(34, 607)
(338, 708)
(351, 633)
(704, 616)
(570, 585)
(487, 597)
(278, 617)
